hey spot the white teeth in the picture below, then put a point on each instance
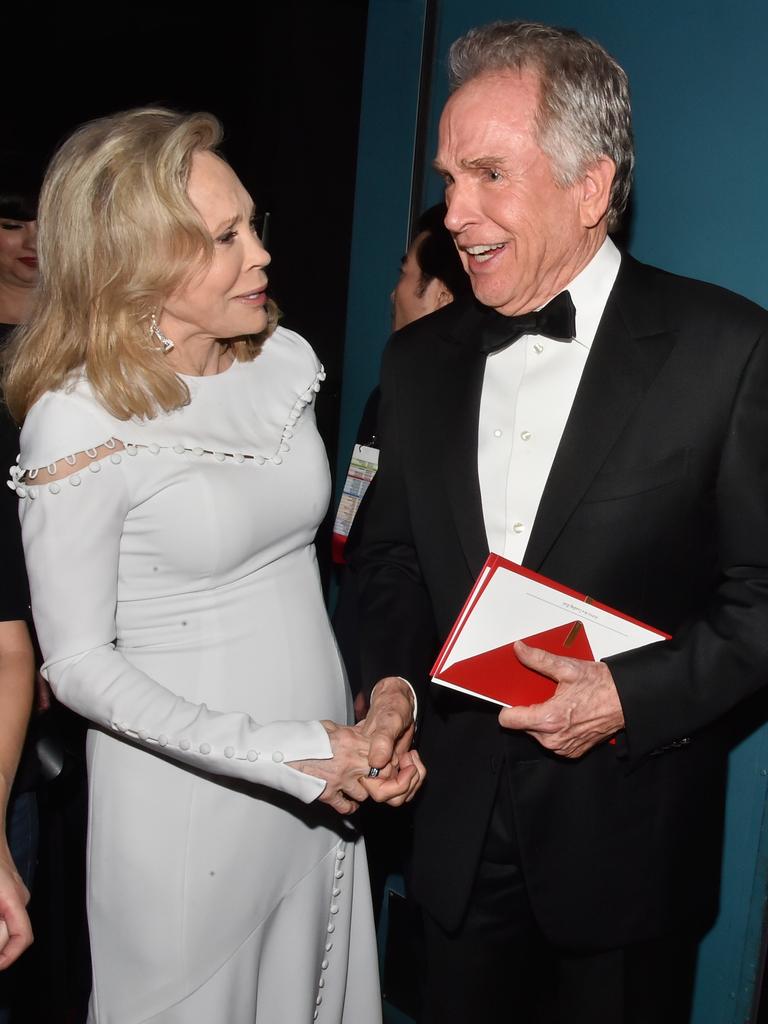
(478, 250)
(483, 252)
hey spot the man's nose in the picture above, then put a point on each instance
(461, 210)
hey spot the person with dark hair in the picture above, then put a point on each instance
(603, 423)
(431, 274)
(18, 281)
(18, 236)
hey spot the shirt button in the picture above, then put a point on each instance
(518, 528)
(185, 744)
(538, 348)
(526, 435)
(278, 756)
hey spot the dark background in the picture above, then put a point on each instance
(284, 77)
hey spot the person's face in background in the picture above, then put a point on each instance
(412, 298)
(18, 253)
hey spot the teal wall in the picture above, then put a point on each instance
(699, 78)
(382, 198)
(699, 75)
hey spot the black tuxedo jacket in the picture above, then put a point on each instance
(657, 504)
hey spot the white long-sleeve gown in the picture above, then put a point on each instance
(177, 601)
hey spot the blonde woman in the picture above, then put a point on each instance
(171, 479)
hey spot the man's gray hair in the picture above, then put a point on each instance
(584, 111)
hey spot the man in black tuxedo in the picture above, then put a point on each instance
(619, 449)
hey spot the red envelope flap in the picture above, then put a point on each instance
(499, 675)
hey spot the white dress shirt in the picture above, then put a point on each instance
(528, 391)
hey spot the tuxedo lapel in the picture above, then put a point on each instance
(461, 410)
(632, 342)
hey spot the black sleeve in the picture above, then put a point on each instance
(14, 595)
(670, 690)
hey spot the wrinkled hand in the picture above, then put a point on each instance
(389, 726)
(15, 929)
(349, 761)
(584, 710)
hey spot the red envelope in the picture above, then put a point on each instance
(498, 675)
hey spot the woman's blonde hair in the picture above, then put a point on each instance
(117, 234)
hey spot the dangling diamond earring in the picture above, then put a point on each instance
(154, 329)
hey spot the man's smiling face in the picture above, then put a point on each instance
(521, 236)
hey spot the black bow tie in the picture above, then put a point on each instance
(555, 320)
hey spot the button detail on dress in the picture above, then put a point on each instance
(526, 435)
(185, 744)
(162, 739)
(253, 755)
(278, 756)
(229, 751)
(518, 528)
(498, 433)
(205, 748)
(538, 348)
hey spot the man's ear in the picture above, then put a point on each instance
(595, 191)
(444, 296)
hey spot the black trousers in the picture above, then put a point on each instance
(498, 968)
